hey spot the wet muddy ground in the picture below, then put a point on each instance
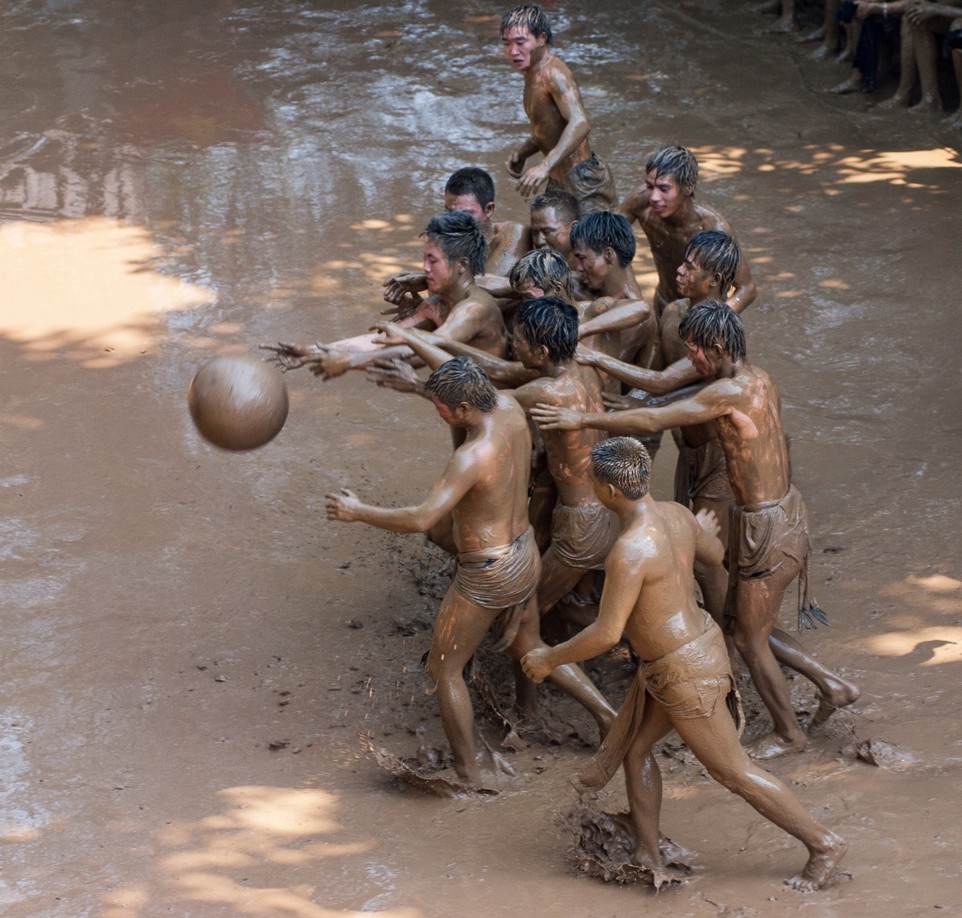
(192, 653)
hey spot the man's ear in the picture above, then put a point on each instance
(610, 256)
(489, 208)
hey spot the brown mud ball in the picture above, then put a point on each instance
(238, 402)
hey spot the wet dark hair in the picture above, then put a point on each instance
(460, 380)
(717, 253)
(623, 462)
(604, 229)
(678, 162)
(547, 270)
(565, 204)
(474, 181)
(551, 323)
(530, 16)
(459, 235)
(712, 323)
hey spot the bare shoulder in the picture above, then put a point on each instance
(711, 219)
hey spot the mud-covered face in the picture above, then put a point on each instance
(469, 204)
(438, 271)
(664, 195)
(707, 361)
(547, 228)
(591, 267)
(693, 280)
(522, 48)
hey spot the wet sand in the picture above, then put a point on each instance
(192, 652)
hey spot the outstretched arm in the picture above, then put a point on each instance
(624, 577)
(459, 476)
(625, 315)
(655, 382)
(710, 403)
(501, 372)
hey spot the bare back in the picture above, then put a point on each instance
(569, 451)
(655, 555)
(758, 468)
(494, 511)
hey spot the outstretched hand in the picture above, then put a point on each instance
(403, 291)
(342, 507)
(621, 402)
(291, 356)
(394, 374)
(330, 363)
(555, 417)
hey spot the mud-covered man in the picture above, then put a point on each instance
(484, 491)
(769, 542)
(686, 682)
(559, 124)
(665, 209)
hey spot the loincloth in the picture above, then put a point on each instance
(702, 472)
(500, 577)
(688, 683)
(764, 538)
(582, 536)
(592, 183)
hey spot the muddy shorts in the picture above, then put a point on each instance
(581, 537)
(768, 536)
(592, 183)
(688, 683)
(701, 472)
(501, 577)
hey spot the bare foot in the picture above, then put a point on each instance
(822, 52)
(772, 745)
(841, 696)
(893, 103)
(926, 107)
(844, 55)
(809, 37)
(852, 84)
(821, 866)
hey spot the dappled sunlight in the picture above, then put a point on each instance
(921, 600)
(835, 164)
(232, 860)
(933, 646)
(85, 289)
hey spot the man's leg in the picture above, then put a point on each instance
(834, 691)
(907, 68)
(460, 627)
(927, 60)
(643, 783)
(757, 603)
(714, 741)
(570, 678)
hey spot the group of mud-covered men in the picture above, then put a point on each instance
(529, 334)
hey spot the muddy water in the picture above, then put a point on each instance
(191, 650)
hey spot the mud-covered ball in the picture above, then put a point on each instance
(238, 402)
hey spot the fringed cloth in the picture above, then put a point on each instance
(502, 576)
